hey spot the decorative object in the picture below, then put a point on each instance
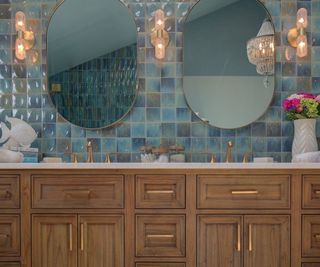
(159, 36)
(311, 157)
(146, 154)
(303, 108)
(19, 138)
(176, 153)
(25, 39)
(260, 50)
(297, 36)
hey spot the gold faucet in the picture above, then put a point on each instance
(90, 152)
(228, 153)
(108, 160)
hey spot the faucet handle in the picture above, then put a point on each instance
(246, 157)
(108, 160)
(213, 159)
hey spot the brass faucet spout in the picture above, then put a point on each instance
(89, 152)
(228, 152)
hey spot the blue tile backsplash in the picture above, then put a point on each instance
(160, 114)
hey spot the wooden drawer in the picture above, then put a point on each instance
(311, 191)
(160, 264)
(313, 264)
(160, 191)
(77, 191)
(9, 192)
(160, 235)
(243, 191)
(9, 264)
(9, 235)
(311, 236)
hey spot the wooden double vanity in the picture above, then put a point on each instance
(170, 215)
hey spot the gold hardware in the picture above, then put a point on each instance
(293, 35)
(160, 192)
(160, 236)
(74, 158)
(250, 237)
(81, 237)
(317, 192)
(108, 160)
(228, 153)
(5, 195)
(239, 238)
(317, 236)
(70, 237)
(213, 159)
(78, 194)
(90, 152)
(245, 157)
(245, 192)
(160, 33)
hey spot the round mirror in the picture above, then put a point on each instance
(92, 61)
(229, 61)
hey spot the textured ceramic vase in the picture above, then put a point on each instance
(305, 139)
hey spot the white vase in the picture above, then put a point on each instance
(305, 139)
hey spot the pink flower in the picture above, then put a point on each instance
(286, 104)
(318, 98)
(296, 103)
(308, 95)
(299, 109)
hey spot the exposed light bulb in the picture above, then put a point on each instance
(159, 19)
(20, 50)
(160, 48)
(302, 48)
(302, 18)
(20, 19)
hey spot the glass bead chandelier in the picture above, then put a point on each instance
(260, 50)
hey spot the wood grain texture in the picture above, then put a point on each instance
(160, 235)
(311, 236)
(270, 241)
(161, 264)
(9, 264)
(10, 235)
(101, 241)
(160, 191)
(243, 191)
(311, 191)
(218, 241)
(54, 240)
(9, 191)
(77, 191)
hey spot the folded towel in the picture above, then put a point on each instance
(311, 157)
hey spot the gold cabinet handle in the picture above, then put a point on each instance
(317, 236)
(160, 192)
(317, 192)
(81, 237)
(70, 237)
(250, 237)
(239, 238)
(160, 236)
(244, 192)
(5, 194)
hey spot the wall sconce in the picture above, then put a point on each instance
(25, 39)
(159, 36)
(297, 37)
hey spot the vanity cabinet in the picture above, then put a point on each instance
(106, 216)
(256, 240)
(77, 240)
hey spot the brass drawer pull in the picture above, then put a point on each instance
(239, 238)
(244, 192)
(78, 194)
(5, 194)
(317, 192)
(4, 236)
(317, 236)
(160, 236)
(70, 237)
(81, 237)
(160, 192)
(250, 237)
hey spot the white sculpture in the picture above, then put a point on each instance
(20, 134)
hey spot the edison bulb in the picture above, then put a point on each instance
(160, 48)
(302, 48)
(20, 50)
(302, 18)
(20, 18)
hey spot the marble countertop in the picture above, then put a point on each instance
(159, 166)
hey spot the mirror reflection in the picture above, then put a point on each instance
(92, 61)
(228, 61)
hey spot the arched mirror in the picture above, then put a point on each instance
(92, 61)
(229, 61)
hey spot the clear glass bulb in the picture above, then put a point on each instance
(302, 18)
(20, 50)
(160, 48)
(20, 21)
(159, 19)
(302, 48)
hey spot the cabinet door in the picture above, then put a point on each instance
(267, 241)
(54, 241)
(219, 241)
(101, 241)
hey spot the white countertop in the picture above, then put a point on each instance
(159, 166)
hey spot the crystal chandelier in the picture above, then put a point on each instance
(260, 50)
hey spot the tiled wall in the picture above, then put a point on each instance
(97, 92)
(160, 114)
